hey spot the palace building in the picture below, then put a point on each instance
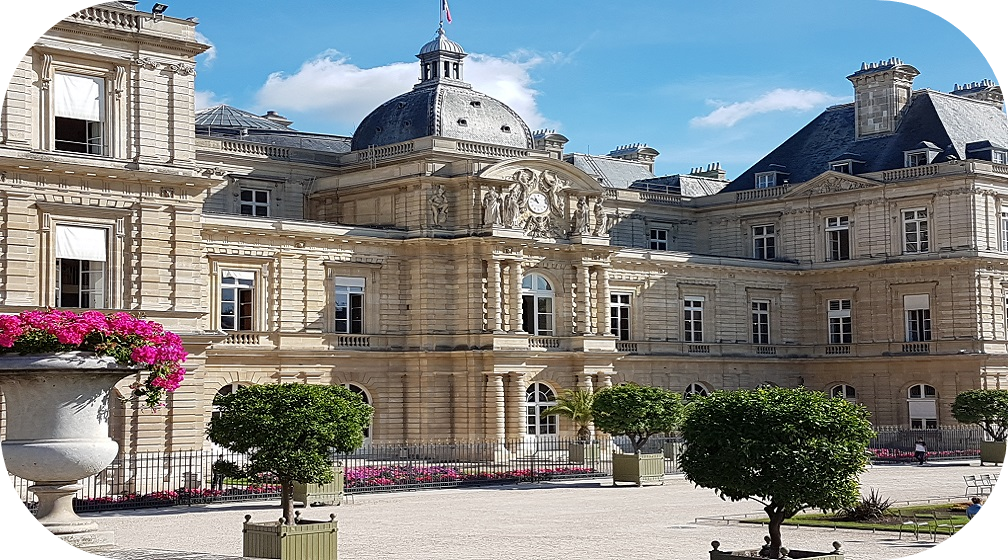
(461, 270)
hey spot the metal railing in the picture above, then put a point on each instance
(160, 479)
(894, 444)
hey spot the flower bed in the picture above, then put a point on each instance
(395, 477)
(900, 455)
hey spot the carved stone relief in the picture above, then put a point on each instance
(438, 206)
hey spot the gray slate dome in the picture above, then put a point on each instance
(442, 105)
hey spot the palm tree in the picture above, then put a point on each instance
(575, 404)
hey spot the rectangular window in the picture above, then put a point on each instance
(997, 156)
(839, 316)
(693, 319)
(81, 257)
(236, 312)
(918, 317)
(844, 167)
(1004, 230)
(255, 202)
(915, 231)
(764, 242)
(761, 322)
(79, 110)
(916, 159)
(766, 180)
(619, 316)
(349, 298)
(838, 238)
(659, 239)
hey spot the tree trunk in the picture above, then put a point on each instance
(776, 520)
(287, 500)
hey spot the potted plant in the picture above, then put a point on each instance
(290, 431)
(637, 412)
(576, 405)
(987, 408)
(56, 390)
(789, 449)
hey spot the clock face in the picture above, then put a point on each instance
(537, 203)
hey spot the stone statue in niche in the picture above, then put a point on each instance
(511, 211)
(439, 206)
(552, 187)
(491, 208)
(579, 221)
(600, 218)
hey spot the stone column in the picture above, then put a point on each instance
(495, 407)
(494, 307)
(412, 416)
(516, 428)
(604, 311)
(583, 299)
(516, 297)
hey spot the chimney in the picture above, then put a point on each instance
(984, 90)
(279, 119)
(636, 152)
(550, 142)
(881, 93)
(713, 171)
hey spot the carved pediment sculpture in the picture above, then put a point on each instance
(544, 204)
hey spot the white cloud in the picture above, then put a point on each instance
(338, 91)
(208, 56)
(206, 99)
(776, 100)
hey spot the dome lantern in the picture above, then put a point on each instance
(441, 61)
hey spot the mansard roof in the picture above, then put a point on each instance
(945, 120)
(224, 121)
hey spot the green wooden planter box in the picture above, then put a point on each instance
(329, 493)
(641, 468)
(992, 452)
(582, 453)
(306, 540)
(716, 554)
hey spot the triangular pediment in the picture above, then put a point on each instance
(831, 182)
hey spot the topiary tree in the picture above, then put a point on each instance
(987, 408)
(289, 430)
(789, 449)
(577, 406)
(636, 411)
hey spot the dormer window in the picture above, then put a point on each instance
(766, 180)
(506, 129)
(463, 122)
(998, 156)
(922, 154)
(916, 159)
(476, 103)
(845, 167)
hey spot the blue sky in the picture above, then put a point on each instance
(699, 81)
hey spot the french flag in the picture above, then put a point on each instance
(444, 6)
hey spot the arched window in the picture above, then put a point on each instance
(367, 400)
(537, 305)
(539, 397)
(695, 389)
(844, 392)
(922, 403)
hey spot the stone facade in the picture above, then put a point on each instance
(451, 280)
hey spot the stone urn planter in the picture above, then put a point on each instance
(583, 452)
(304, 540)
(992, 452)
(785, 553)
(638, 468)
(57, 432)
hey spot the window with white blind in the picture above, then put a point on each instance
(349, 305)
(79, 113)
(922, 404)
(839, 317)
(237, 300)
(81, 264)
(917, 309)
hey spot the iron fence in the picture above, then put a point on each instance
(896, 443)
(157, 479)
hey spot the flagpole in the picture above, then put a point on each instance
(441, 13)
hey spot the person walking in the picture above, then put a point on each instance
(920, 451)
